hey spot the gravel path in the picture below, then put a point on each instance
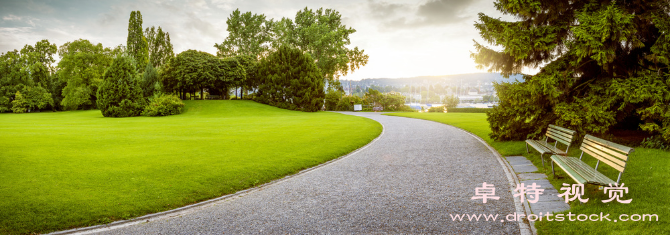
(408, 181)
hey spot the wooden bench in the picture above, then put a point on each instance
(558, 134)
(612, 154)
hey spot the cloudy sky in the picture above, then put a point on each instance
(402, 38)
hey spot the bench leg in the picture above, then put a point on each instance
(542, 158)
(552, 169)
(527, 148)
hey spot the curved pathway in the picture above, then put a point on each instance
(409, 180)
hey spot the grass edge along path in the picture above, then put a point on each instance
(647, 178)
(73, 169)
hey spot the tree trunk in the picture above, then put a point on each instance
(202, 93)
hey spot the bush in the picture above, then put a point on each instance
(163, 105)
(346, 103)
(31, 98)
(467, 110)
(438, 109)
(119, 94)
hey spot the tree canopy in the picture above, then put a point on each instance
(248, 34)
(291, 80)
(160, 48)
(81, 67)
(604, 66)
(136, 44)
(119, 94)
(319, 33)
(193, 70)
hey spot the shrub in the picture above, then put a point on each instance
(119, 94)
(467, 110)
(438, 109)
(163, 105)
(31, 98)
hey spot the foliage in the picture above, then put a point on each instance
(467, 110)
(347, 102)
(192, 70)
(436, 109)
(31, 98)
(655, 142)
(159, 46)
(136, 44)
(120, 94)
(605, 66)
(163, 105)
(29, 67)
(322, 34)
(393, 102)
(450, 101)
(150, 82)
(333, 97)
(81, 68)
(248, 34)
(148, 165)
(291, 80)
(319, 33)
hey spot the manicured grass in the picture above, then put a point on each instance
(72, 169)
(647, 177)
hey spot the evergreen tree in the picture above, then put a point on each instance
(604, 66)
(120, 94)
(136, 44)
(291, 80)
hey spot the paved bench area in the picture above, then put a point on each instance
(549, 200)
(409, 180)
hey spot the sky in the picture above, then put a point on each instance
(402, 38)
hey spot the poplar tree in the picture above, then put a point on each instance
(160, 47)
(137, 45)
(603, 66)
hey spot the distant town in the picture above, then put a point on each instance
(472, 90)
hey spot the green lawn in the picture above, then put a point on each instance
(647, 177)
(72, 169)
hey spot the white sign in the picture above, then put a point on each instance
(358, 107)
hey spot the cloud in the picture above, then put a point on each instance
(225, 5)
(430, 13)
(27, 20)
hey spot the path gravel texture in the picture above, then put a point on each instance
(409, 180)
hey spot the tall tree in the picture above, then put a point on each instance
(160, 47)
(248, 34)
(81, 67)
(317, 32)
(604, 65)
(136, 44)
(119, 94)
(322, 34)
(291, 80)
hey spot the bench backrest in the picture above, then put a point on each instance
(612, 154)
(560, 134)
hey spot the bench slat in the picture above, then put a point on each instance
(585, 172)
(605, 160)
(624, 149)
(562, 133)
(539, 146)
(570, 132)
(559, 160)
(560, 137)
(595, 145)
